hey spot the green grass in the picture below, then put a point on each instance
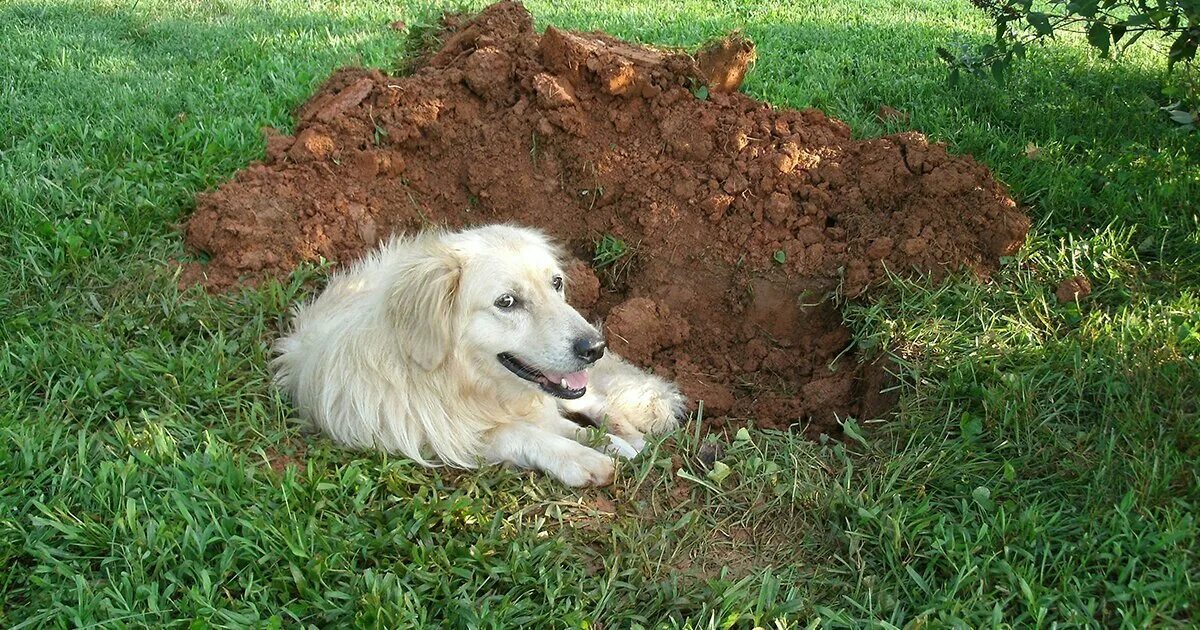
(609, 250)
(613, 260)
(1042, 468)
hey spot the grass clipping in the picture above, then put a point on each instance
(736, 220)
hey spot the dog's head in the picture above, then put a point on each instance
(493, 298)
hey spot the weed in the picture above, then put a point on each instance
(613, 260)
(609, 251)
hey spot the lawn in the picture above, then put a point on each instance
(1042, 467)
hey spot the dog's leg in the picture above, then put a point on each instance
(529, 445)
(594, 407)
(628, 401)
(614, 444)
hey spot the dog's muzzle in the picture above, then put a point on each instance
(568, 386)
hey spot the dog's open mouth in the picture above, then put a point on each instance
(569, 386)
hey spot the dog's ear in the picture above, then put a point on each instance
(421, 304)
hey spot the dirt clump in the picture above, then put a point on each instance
(723, 63)
(640, 328)
(585, 286)
(1073, 289)
(744, 217)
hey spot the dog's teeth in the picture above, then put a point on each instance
(563, 383)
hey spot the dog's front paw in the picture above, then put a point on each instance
(669, 409)
(588, 468)
(622, 447)
(652, 405)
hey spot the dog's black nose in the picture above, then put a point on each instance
(589, 349)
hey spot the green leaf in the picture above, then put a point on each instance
(850, 428)
(916, 577)
(1025, 590)
(1182, 117)
(1118, 31)
(1133, 38)
(702, 93)
(780, 257)
(998, 67)
(1085, 8)
(1140, 19)
(1040, 22)
(970, 426)
(983, 497)
(683, 474)
(719, 471)
(1184, 48)
(1099, 37)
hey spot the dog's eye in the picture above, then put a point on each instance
(557, 283)
(505, 302)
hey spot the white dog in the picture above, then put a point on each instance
(461, 348)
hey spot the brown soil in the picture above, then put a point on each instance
(279, 461)
(723, 63)
(1073, 289)
(742, 217)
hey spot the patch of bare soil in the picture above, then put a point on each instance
(279, 461)
(741, 217)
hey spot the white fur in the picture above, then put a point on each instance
(400, 353)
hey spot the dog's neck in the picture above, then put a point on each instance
(518, 401)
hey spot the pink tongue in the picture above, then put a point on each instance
(574, 380)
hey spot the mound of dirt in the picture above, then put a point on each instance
(738, 218)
